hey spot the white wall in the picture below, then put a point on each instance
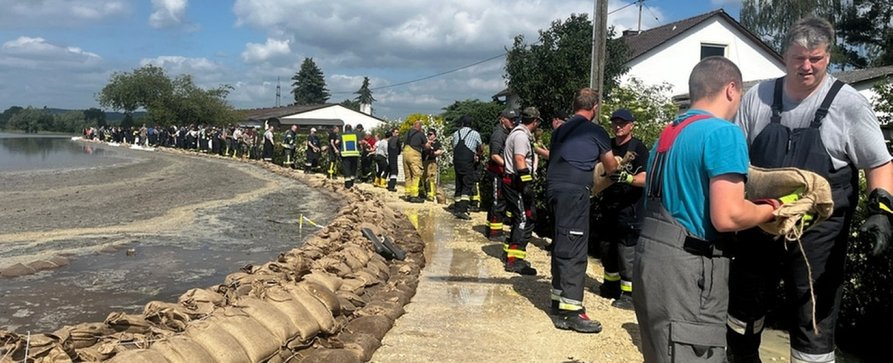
(672, 61)
(338, 112)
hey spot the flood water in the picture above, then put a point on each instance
(125, 270)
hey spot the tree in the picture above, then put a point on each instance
(864, 27)
(652, 105)
(883, 102)
(351, 104)
(547, 74)
(364, 94)
(30, 120)
(95, 115)
(8, 114)
(309, 87)
(146, 87)
(483, 113)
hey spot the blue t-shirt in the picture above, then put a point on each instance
(703, 150)
(579, 143)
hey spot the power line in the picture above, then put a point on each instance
(621, 8)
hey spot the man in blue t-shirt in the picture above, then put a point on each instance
(695, 192)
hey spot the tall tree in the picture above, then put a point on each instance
(364, 94)
(483, 114)
(8, 114)
(309, 87)
(546, 74)
(866, 27)
(96, 115)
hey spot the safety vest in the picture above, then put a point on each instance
(349, 145)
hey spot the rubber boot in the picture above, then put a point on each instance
(609, 289)
(432, 191)
(392, 185)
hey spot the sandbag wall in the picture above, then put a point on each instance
(331, 300)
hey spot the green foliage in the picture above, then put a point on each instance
(351, 104)
(8, 114)
(484, 114)
(883, 102)
(33, 120)
(652, 106)
(309, 87)
(95, 116)
(547, 74)
(864, 27)
(364, 94)
(168, 101)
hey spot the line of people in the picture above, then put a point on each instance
(236, 141)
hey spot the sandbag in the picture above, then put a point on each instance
(600, 180)
(328, 280)
(280, 299)
(391, 310)
(353, 285)
(92, 354)
(362, 345)
(258, 342)
(139, 356)
(41, 348)
(168, 316)
(375, 325)
(327, 356)
(317, 310)
(269, 317)
(353, 298)
(130, 323)
(201, 301)
(357, 252)
(324, 295)
(815, 197)
(16, 270)
(221, 345)
(366, 276)
(180, 349)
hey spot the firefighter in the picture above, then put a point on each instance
(350, 155)
(334, 150)
(619, 208)
(518, 191)
(416, 143)
(313, 151)
(495, 171)
(576, 147)
(428, 185)
(288, 145)
(466, 151)
(394, 148)
(381, 160)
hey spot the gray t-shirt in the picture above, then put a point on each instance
(850, 132)
(518, 142)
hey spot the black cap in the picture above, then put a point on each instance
(623, 114)
(530, 113)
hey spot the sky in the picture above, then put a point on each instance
(60, 53)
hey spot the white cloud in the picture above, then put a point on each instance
(255, 53)
(183, 65)
(36, 53)
(166, 13)
(59, 12)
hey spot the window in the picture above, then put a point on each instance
(708, 50)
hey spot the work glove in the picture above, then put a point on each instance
(524, 181)
(621, 176)
(877, 225)
(777, 203)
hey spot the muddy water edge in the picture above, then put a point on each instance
(147, 228)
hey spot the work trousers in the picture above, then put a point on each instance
(382, 163)
(465, 179)
(570, 206)
(333, 162)
(618, 247)
(496, 213)
(428, 184)
(349, 169)
(412, 166)
(523, 213)
(681, 298)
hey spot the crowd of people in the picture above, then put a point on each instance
(673, 216)
(237, 141)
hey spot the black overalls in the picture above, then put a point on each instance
(463, 162)
(760, 260)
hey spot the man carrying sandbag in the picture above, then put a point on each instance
(812, 121)
(695, 193)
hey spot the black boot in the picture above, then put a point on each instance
(392, 185)
(577, 321)
(625, 301)
(609, 290)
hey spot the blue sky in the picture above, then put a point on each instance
(60, 53)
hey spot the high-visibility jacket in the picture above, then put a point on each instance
(349, 145)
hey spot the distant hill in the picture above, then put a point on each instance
(113, 118)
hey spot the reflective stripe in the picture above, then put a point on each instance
(800, 357)
(626, 286)
(526, 177)
(505, 247)
(517, 253)
(612, 276)
(508, 214)
(556, 295)
(495, 225)
(570, 304)
(741, 327)
(885, 208)
(575, 233)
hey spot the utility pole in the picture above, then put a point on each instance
(640, 15)
(278, 92)
(599, 37)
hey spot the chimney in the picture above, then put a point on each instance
(631, 32)
(366, 108)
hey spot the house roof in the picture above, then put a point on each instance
(865, 74)
(642, 42)
(278, 112)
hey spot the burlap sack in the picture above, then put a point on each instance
(269, 317)
(361, 344)
(168, 316)
(130, 323)
(317, 310)
(815, 198)
(375, 325)
(91, 354)
(353, 285)
(357, 252)
(86, 334)
(180, 349)
(139, 356)
(367, 275)
(600, 180)
(201, 301)
(217, 342)
(326, 356)
(297, 313)
(324, 295)
(328, 280)
(258, 342)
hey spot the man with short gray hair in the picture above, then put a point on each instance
(809, 120)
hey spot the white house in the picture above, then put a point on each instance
(312, 116)
(668, 53)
